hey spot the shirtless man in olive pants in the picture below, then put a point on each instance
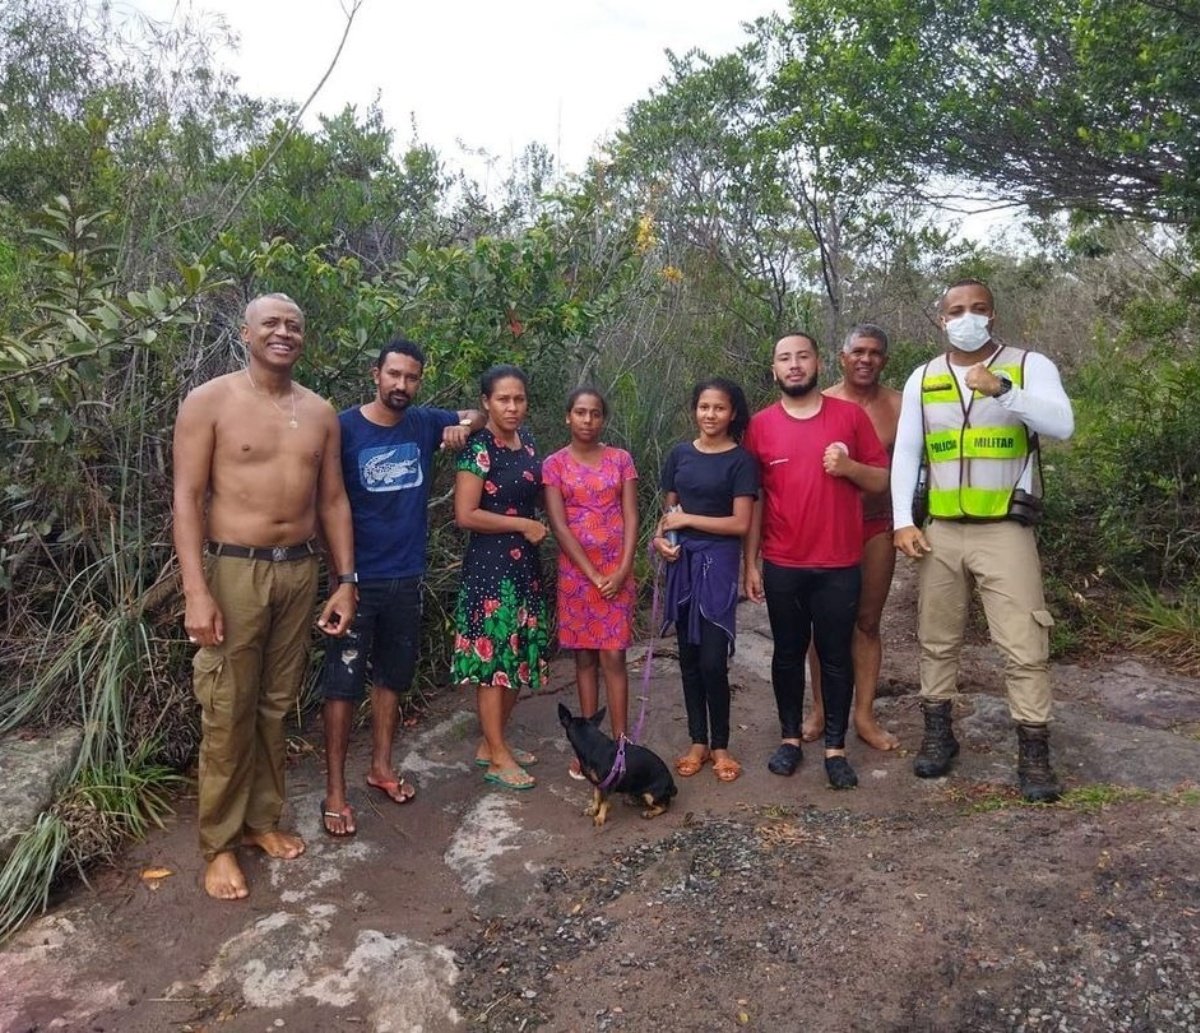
(257, 475)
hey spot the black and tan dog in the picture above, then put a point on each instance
(645, 780)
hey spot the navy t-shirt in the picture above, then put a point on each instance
(708, 482)
(387, 472)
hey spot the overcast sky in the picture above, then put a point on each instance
(496, 75)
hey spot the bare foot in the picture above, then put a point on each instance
(282, 845)
(814, 727)
(874, 734)
(223, 878)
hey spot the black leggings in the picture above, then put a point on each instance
(705, 673)
(822, 604)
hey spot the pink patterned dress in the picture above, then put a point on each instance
(592, 499)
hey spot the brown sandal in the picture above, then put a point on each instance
(687, 765)
(727, 769)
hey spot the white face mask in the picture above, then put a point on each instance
(969, 332)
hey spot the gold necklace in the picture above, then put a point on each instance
(293, 422)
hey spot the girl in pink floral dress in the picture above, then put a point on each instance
(591, 502)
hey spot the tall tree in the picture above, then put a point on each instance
(688, 157)
(1084, 104)
(736, 159)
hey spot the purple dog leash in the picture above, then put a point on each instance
(618, 768)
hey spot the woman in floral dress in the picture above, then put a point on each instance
(500, 618)
(591, 502)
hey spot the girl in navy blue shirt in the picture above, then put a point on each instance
(710, 485)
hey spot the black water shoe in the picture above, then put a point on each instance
(785, 760)
(840, 774)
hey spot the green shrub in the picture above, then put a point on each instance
(1124, 494)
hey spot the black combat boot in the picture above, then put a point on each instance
(939, 746)
(1039, 784)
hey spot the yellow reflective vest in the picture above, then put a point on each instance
(976, 449)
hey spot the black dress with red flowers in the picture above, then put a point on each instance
(501, 634)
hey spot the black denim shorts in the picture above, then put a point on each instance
(381, 643)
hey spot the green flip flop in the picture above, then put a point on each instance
(522, 757)
(509, 779)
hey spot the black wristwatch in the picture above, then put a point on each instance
(348, 579)
(1005, 387)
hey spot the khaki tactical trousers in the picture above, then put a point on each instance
(1001, 559)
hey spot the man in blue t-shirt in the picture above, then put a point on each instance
(387, 454)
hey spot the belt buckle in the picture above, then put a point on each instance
(279, 553)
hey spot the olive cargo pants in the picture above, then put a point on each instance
(245, 686)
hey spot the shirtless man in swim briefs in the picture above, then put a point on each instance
(864, 356)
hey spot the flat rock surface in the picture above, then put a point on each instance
(769, 903)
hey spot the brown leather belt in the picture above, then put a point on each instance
(273, 553)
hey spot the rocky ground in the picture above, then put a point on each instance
(769, 903)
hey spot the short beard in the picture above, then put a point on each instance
(399, 406)
(797, 390)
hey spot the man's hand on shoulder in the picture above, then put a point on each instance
(455, 436)
(469, 421)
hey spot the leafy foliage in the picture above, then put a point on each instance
(80, 325)
(1089, 105)
(736, 161)
(146, 200)
(1129, 495)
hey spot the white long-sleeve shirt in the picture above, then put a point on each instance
(1041, 404)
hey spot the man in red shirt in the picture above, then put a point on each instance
(816, 455)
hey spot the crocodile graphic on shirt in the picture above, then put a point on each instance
(390, 468)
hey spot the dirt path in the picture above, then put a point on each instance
(769, 904)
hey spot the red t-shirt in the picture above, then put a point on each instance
(811, 518)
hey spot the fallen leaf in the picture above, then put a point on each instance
(154, 874)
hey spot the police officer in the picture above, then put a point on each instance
(973, 417)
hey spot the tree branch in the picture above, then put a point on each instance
(350, 14)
